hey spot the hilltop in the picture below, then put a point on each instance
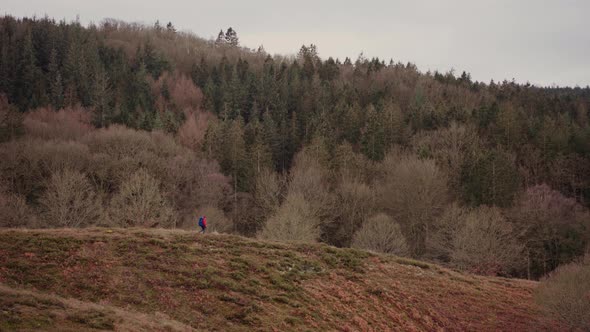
(129, 279)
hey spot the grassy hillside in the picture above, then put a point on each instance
(177, 280)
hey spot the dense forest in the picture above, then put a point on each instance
(129, 125)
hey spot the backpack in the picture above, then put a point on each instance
(201, 222)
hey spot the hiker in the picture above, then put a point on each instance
(203, 223)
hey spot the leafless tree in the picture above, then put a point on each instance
(566, 294)
(478, 240)
(414, 192)
(70, 201)
(381, 233)
(295, 220)
(140, 203)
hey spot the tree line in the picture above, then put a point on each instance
(487, 177)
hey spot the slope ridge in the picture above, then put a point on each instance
(231, 283)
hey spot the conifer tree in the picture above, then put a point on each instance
(491, 178)
(55, 81)
(73, 72)
(373, 136)
(271, 136)
(101, 99)
(220, 38)
(394, 127)
(234, 154)
(28, 75)
(231, 37)
(170, 27)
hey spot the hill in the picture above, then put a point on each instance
(130, 279)
(146, 126)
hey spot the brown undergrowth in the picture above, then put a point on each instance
(129, 277)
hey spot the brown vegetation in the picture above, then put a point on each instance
(140, 203)
(295, 220)
(414, 192)
(380, 233)
(565, 294)
(232, 283)
(482, 242)
(70, 201)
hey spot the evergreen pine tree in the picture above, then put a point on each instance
(220, 38)
(234, 154)
(101, 98)
(55, 81)
(373, 137)
(28, 75)
(209, 93)
(157, 123)
(231, 37)
(393, 124)
(170, 27)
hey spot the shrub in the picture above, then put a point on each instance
(193, 183)
(66, 124)
(295, 220)
(192, 133)
(20, 168)
(449, 146)
(57, 156)
(309, 178)
(356, 200)
(479, 241)
(382, 234)
(269, 188)
(118, 152)
(140, 203)
(27, 164)
(184, 93)
(566, 294)
(70, 201)
(414, 192)
(551, 226)
(119, 142)
(14, 211)
(11, 120)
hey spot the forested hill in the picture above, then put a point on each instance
(288, 148)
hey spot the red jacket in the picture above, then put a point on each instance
(204, 221)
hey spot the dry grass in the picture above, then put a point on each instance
(23, 309)
(229, 283)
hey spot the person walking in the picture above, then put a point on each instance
(203, 223)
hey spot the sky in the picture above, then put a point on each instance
(538, 41)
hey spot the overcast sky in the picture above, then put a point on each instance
(540, 41)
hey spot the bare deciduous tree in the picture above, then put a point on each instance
(479, 241)
(69, 123)
(566, 294)
(269, 189)
(449, 147)
(355, 201)
(14, 211)
(192, 133)
(309, 177)
(414, 192)
(295, 220)
(381, 233)
(541, 217)
(70, 201)
(140, 203)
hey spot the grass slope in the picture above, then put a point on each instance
(137, 279)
